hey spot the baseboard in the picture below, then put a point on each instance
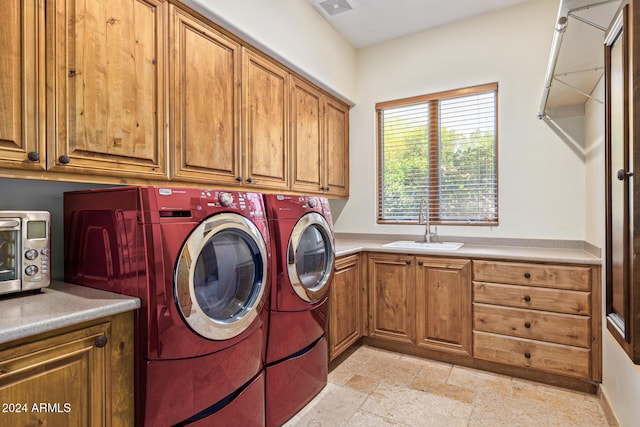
(606, 409)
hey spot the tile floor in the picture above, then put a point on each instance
(374, 387)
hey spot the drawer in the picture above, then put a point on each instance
(548, 276)
(556, 300)
(536, 355)
(532, 324)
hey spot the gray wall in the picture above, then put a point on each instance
(22, 194)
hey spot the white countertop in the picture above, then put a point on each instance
(58, 306)
(549, 253)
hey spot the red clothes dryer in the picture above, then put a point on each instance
(198, 260)
(303, 262)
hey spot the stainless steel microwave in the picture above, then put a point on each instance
(24, 250)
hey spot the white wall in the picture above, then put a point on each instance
(594, 169)
(541, 180)
(292, 32)
(621, 378)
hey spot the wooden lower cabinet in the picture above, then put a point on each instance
(81, 376)
(536, 355)
(345, 305)
(538, 316)
(443, 301)
(534, 320)
(421, 301)
(391, 298)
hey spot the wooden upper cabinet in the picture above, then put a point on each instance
(204, 76)
(105, 75)
(336, 159)
(320, 147)
(130, 90)
(306, 137)
(265, 102)
(22, 90)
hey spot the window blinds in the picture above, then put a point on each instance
(441, 147)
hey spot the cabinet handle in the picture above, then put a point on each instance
(527, 325)
(239, 178)
(101, 341)
(622, 174)
(407, 261)
(527, 355)
(249, 180)
(527, 298)
(420, 263)
(34, 156)
(64, 159)
(327, 188)
(527, 275)
(72, 73)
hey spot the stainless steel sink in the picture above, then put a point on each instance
(441, 246)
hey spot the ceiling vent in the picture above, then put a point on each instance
(335, 7)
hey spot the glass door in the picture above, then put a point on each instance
(310, 257)
(9, 253)
(220, 277)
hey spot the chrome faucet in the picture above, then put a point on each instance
(424, 220)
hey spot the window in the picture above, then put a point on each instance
(442, 147)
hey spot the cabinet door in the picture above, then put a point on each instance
(22, 138)
(265, 94)
(58, 381)
(392, 298)
(336, 159)
(345, 316)
(306, 137)
(106, 110)
(443, 304)
(205, 103)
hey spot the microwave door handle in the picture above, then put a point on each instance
(9, 224)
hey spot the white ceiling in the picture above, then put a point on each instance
(374, 21)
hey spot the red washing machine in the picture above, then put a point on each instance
(198, 260)
(303, 262)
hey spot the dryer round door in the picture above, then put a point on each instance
(221, 276)
(310, 256)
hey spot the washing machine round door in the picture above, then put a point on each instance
(221, 276)
(310, 256)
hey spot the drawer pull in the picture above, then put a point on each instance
(527, 355)
(407, 261)
(527, 275)
(101, 341)
(527, 325)
(527, 298)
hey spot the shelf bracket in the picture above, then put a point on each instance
(568, 8)
(583, 93)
